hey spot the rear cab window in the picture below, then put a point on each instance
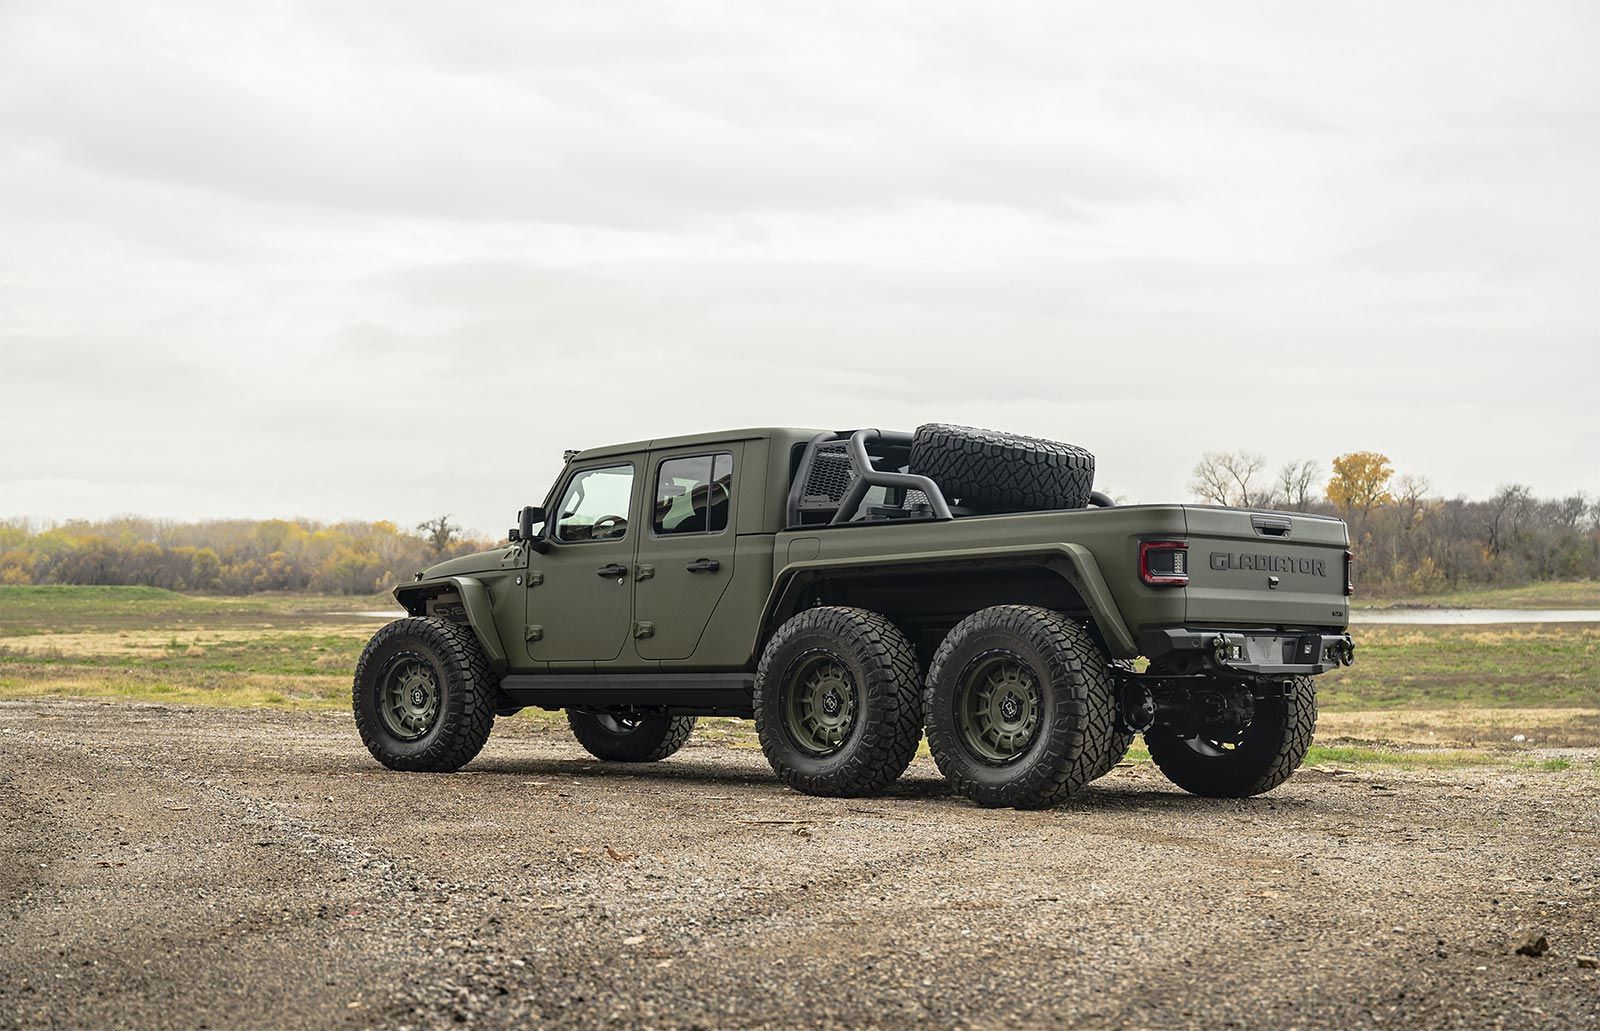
(693, 494)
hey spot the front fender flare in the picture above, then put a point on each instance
(474, 598)
(1072, 562)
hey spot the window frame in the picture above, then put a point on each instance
(560, 495)
(733, 477)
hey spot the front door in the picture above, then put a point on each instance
(580, 592)
(686, 548)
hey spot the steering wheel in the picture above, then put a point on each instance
(607, 526)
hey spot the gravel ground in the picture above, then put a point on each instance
(214, 868)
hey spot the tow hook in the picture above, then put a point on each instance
(1342, 652)
(1224, 652)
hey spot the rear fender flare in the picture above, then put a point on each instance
(1072, 562)
(474, 598)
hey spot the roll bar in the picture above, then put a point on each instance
(864, 475)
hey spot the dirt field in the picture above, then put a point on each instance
(215, 867)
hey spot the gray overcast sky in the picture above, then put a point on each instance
(387, 260)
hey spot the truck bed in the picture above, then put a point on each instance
(1247, 569)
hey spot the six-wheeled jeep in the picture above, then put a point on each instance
(853, 591)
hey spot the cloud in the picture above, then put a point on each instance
(390, 259)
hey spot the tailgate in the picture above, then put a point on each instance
(1265, 569)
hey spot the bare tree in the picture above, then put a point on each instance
(1299, 484)
(440, 533)
(1228, 478)
(1503, 517)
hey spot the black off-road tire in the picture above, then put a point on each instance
(1273, 747)
(886, 694)
(629, 737)
(1002, 470)
(465, 709)
(1120, 739)
(1076, 708)
(1116, 750)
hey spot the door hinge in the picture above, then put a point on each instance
(643, 571)
(644, 629)
(535, 578)
(533, 633)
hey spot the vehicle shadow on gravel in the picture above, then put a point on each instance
(915, 786)
(677, 771)
(1168, 800)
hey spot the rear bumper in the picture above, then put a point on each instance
(1251, 652)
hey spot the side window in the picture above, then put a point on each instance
(693, 494)
(595, 506)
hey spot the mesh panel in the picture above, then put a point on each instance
(915, 497)
(830, 474)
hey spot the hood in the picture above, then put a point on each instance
(461, 565)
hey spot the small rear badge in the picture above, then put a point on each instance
(1272, 582)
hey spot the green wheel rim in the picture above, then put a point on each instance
(997, 706)
(408, 698)
(820, 704)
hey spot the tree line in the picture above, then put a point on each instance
(229, 556)
(1407, 538)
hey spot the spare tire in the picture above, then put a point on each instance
(1002, 470)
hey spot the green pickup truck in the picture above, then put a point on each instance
(852, 591)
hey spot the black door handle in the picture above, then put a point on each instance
(703, 565)
(612, 572)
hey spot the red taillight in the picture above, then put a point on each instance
(1349, 574)
(1164, 563)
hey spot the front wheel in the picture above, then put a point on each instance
(629, 737)
(422, 696)
(1264, 754)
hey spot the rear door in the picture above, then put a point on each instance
(686, 547)
(1249, 569)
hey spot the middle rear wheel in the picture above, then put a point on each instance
(1020, 707)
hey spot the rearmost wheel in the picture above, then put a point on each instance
(1261, 757)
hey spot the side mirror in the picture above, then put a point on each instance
(527, 518)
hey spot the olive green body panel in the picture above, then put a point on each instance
(1235, 570)
(1096, 551)
(730, 640)
(542, 606)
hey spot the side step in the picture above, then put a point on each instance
(676, 694)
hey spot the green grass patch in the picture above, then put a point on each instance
(1557, 594)
(51, 609)
(1354, 755)
(1427, 667)
(1558, 764)
(1431, 758)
